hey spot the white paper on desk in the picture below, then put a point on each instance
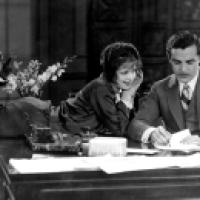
(47, 165)
(40, 155)
(107, 163)
(176, 142)
(138, 163)
(142, 151)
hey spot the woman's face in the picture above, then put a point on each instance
(125, 75)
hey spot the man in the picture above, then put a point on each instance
(175, 100)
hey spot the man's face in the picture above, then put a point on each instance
(185, 63)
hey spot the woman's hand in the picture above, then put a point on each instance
(128, 95)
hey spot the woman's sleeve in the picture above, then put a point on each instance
(114, 116)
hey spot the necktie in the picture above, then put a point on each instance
(185, 97)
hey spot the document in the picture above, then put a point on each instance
(108, 164)
(142, 151)
(141, 163)
(50, 165)
(176, 144)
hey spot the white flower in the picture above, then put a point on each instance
(52, 69)
(60, 72)
(29, 81)
(43, 77)
(54, 78)
(12, 83)
(35, 89)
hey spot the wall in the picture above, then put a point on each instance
(146, 23)
(15, 28)
(61, 30)
(49, 30)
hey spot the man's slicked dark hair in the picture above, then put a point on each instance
(182, 40)
(114, 55)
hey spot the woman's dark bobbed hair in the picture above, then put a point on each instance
(114, 55)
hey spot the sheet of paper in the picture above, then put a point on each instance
(40, 155)
(142, 151)
(108, 164)
(49, 164)
(176, 145)
(183, 148)
(178, 137)
(138, 163)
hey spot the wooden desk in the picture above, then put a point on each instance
(88, 185)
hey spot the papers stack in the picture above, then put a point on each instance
(142, 151)
(108, 164)
(114, 146)
(142, 163)
(52, 165)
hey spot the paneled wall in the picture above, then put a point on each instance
(155, 25)
(49, 30)
(85, 27)
(61, 30)
(158, 19)
(108, 21)
(16, 28)
(146, 23)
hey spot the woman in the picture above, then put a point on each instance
(106, 104)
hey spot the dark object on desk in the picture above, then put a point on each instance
(87, 134)
(6, 68)
(3, 82)
(54, 142)
(41, 134)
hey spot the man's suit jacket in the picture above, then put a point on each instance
(161, 104)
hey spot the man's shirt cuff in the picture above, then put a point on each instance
(146, 134)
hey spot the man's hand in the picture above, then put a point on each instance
(160, 136)
(192, 139)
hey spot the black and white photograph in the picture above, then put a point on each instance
(99, 99)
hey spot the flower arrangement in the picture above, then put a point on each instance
(30, 80)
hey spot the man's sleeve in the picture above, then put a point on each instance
(146, 117)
